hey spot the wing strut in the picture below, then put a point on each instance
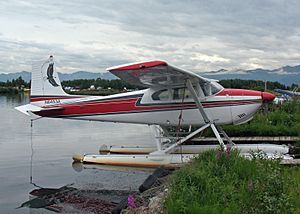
(217, 130)
(197, 101)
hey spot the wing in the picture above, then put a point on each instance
(155, 73)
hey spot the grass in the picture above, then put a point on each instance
(218, 182)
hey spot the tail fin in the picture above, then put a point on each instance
(45, 80)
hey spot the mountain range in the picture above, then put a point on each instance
(287, 75)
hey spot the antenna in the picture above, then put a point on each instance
(31, 156)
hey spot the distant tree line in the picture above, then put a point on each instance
(252, 84)
(17, 83)
(120, 84)
(98, 83)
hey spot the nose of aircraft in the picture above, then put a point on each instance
(266, 96)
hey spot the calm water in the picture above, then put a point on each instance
(45, 153)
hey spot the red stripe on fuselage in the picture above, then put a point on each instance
(126, 106)
(107, 108)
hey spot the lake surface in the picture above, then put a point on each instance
(42, 154)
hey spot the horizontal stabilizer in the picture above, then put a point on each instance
(29, 108)
(49, 109)
(26, 109)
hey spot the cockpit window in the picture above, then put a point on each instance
(172, 94)
(180, 93)
(162, 95)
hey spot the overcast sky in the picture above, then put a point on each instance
(195, 35)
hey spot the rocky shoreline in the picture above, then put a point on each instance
(69, 199)
(150, 198)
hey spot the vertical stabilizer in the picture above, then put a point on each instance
(45, 80)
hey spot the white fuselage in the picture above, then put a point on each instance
(230, 106)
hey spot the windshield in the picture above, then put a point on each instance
(215, 87)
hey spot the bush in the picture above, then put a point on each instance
(8, 90)
(218, 182)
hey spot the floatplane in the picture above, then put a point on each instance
(293, 94)
(173, 97)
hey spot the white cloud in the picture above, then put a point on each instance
(207, 58)
(195, 35)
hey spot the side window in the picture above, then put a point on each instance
(176, 95)
(162, 95)
(207, 89)
(179, 93)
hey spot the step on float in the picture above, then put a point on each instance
(138, 156)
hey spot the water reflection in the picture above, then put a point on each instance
(14, 100)
(74, 200)
(79, 167)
